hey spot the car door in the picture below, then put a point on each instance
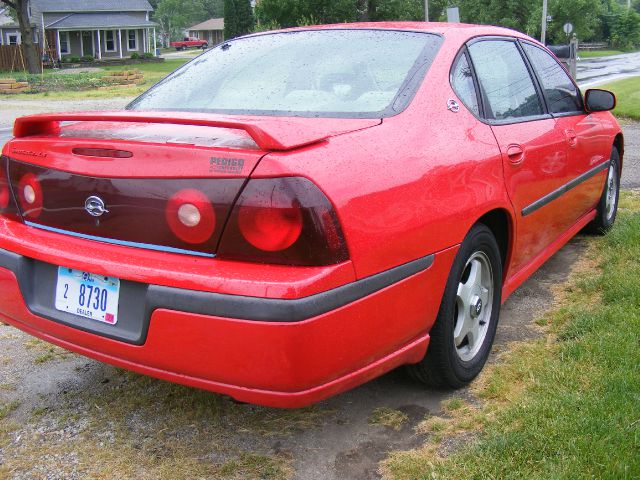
(587, 147)
(533, 149)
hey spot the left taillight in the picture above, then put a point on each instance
(7, 204)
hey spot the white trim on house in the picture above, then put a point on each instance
(18, 36)
(99, 45)
(66, 39)
(135, 33)
(120, 41)
(113, 41)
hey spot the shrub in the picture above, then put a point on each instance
(135, 56)
(148, 55)
(74, 59)
(88, 58)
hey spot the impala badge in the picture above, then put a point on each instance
(95, 206)
(453, 105)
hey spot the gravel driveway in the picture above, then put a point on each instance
(12, 108)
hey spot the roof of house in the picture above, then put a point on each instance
(211, 24)
(92, 5)
(100, 20)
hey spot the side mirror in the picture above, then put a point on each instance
(597, 100)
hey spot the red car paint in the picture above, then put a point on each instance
(406, 187)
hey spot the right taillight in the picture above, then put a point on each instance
(286, 221)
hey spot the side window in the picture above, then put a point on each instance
(504, 79)
(562, 95)
(462, 83)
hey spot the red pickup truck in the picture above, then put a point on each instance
(190, 42)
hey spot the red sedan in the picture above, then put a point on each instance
(294, 213)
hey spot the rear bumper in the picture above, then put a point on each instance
(282, 353)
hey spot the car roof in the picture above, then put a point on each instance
(457, 30)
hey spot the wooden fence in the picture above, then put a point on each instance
(12, 58)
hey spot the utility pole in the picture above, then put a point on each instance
(544, 22)
(426, 10)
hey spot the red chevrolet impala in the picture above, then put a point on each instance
(294, 213)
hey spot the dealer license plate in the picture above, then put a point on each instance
(88, 295)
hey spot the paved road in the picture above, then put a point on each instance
(596, 71)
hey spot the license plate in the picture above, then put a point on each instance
(88, 295)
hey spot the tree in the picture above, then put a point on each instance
(291, 13)
(213, 9)
(378, 10)
(21, 10)
(238, 18)
(176, 15)
(584, 15)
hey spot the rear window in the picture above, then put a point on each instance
(342, 73)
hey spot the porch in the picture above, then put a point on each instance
(102, 36)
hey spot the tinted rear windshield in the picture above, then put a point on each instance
(312, 73)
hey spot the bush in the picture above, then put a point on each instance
(148, 55)
(625, 30)
(135, 56)
(74, 59)
(88, 58)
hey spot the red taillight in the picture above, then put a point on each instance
(7, 203)
(272, 222)
(286, 221)
(30, 196)
(5, 194)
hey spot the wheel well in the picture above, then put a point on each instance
(499, 223)
(618, 142)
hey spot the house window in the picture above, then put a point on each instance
(65, 45)
(13, 38)
(132, 40)
(110, 41)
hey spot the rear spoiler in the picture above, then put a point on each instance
(269, 133)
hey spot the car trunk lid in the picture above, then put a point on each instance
(152, 180)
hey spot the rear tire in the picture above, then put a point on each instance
(607, 208)
(465, 327)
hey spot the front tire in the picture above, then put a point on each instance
(463, 333)
(607, 208)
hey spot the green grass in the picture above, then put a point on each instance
(6, 409)
(77, 86)
(388, 417)
(628, 95)
(599, 53)
(565, 406)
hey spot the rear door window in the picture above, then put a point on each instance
(463, 85)
(506, 85)
(559, 90)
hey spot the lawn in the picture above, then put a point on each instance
(628, 93)
(599, 53)
(76, 86)
(562, 407)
